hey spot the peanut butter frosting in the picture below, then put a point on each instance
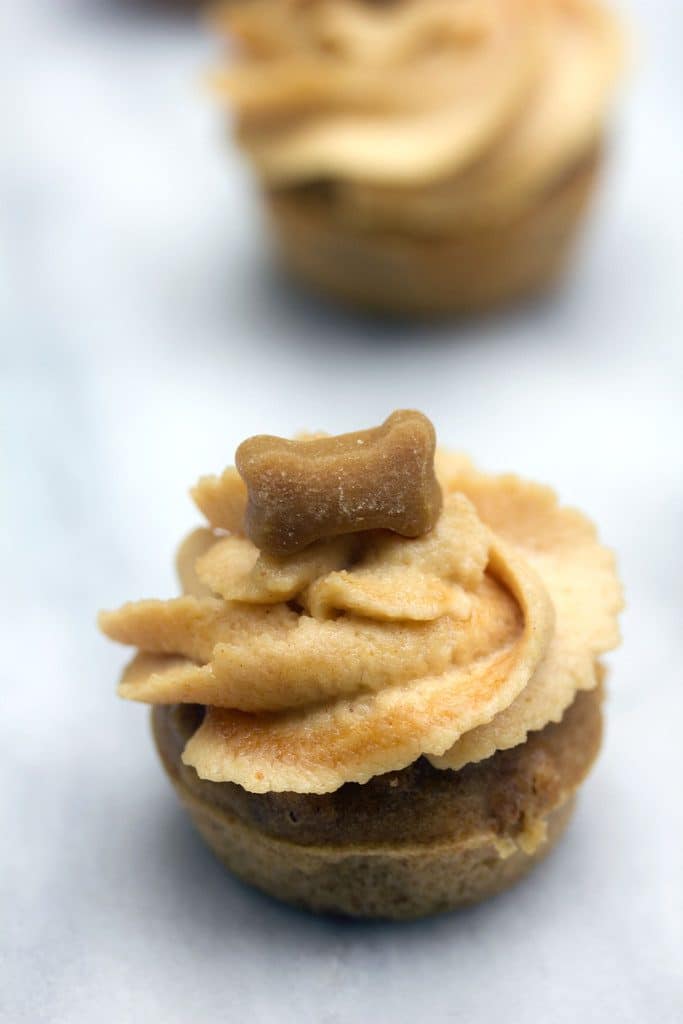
(467, 108)
(364, 651)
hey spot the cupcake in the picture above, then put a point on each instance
(422, 157)
(381, 687)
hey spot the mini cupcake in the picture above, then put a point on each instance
(381, 688)
(422, 156)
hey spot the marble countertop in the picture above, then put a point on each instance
(143, 336)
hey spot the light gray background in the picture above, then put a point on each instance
(142, 337)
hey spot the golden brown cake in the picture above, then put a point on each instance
(379, 722)
(422, 156)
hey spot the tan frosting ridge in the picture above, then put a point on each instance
(360, 653)
(484, 101)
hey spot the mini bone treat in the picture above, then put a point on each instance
(380, 688)
(303, 491)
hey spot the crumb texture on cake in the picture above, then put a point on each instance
(409, 843)
(384, 883)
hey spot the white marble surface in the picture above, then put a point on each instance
(142, 337)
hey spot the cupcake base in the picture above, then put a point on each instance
(406, 844)
(398, 884)
(399, 274)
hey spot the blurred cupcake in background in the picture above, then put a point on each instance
(422, 156)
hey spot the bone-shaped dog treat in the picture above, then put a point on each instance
(303, 491)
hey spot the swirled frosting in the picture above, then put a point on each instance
(360, 654)
(468, 108)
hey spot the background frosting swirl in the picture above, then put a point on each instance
(485, 102)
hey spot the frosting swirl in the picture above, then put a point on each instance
(359, 654)
(467, 108)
